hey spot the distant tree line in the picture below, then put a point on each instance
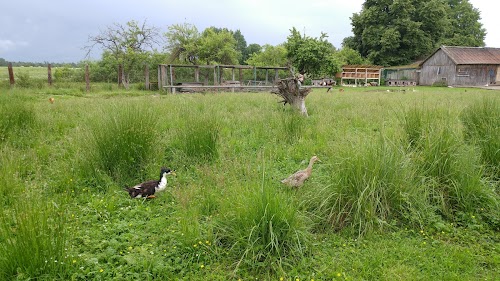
(386, 32)
(4, 62)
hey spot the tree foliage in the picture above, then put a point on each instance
(269, 56)
(241, 46)
(252, 49)
(465, 26)
(395, 32)
(129, 44)
(212, 46)
(314, 56)
(349, 56)
(182, 42)
(218, 47)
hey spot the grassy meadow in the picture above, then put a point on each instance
(407, 187)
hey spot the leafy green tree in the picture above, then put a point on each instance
(314, 56)
(465, 28)
(241, 46)
(395, 32)
(218, 47)
(269, 56)
(182, 41)
(350, 56)
(252, 49)
(129, 45)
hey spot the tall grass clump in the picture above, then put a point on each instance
(412, 125)
(18, 118)
(481, 123)
(32, 241)
(198, 136)
(451, 174)
(292, 124)
(372, 188)
(10, 183)
(263, 230)
(120, 144)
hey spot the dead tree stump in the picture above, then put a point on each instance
(291, 92)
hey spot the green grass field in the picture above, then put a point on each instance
(407, 187)
(33, 72)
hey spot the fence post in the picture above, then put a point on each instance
(160, 78)
(49, 74)
(11, 75)
(120, 72)
(87, 78)
(146, 74)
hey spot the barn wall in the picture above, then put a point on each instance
(401, 74)
(473, 75)
(438, 68)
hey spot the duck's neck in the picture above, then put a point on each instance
(163, 183)
(311, 162)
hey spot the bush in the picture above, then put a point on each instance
(25, 81)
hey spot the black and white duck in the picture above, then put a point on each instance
(148, 189)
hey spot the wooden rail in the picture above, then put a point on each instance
(170, 87)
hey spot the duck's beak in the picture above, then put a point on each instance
(173, 173)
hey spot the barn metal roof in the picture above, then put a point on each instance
(472, 55)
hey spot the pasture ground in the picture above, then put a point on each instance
(65, 215)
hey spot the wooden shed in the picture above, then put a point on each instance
(406, 75)
(461, 66)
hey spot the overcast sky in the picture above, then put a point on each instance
(57, 30)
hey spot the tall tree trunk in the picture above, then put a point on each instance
(291, 92)
(125, 79)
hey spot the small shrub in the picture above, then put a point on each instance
(23, 80)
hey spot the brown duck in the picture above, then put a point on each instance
(298, 178)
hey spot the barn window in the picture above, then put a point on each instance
(462, 71)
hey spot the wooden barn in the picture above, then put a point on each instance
(461, 66)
